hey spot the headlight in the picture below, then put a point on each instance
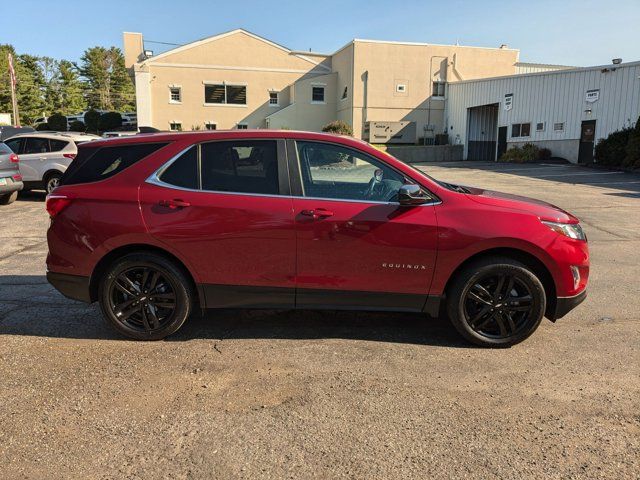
(571, 230)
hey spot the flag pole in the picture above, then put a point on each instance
(14, 99)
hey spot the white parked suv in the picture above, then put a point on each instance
(44, 156)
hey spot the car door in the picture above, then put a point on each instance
(225, 207)
(35, 151)
(356, 246)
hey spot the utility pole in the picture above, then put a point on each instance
(14, 99)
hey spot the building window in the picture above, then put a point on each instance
(438, 89)
(317, 94)
(540, 127)
(401, 88)
(558, 127)
(211, 126)
(175, 95)
(242, 126)
(273, 99)
(345, 93)
(225, 94)
(175, 126)
(520, 130)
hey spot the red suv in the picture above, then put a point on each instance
(153, 225)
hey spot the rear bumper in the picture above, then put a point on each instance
(75, 287)
(12, 186)
(565, 304)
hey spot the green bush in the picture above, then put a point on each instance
(57, 122)
(77, 126)
(109, 121)
(525, 154)
(91, 120)
(338, 127)
(632, 158)
(43, 127)
(612, 150)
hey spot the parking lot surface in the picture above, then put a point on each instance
(325, 394)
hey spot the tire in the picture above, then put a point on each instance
(139, 309)
(51, 181)
(491, 312)
(8, 198)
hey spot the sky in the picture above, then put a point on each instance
(568, 32)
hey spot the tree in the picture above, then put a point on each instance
(109, 121)
(57, 122)
(632, 158)
(110, 86)
(70, 98)
(31, 88)
(77, 126)
(91, 118)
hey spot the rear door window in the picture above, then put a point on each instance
(183, 172)
(94, 164)
(35, 145)
(249, 166)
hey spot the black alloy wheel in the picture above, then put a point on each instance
(146, 296)
(496, 302)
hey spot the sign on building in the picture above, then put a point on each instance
(508, 101)
(592, 95)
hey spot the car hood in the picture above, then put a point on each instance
(544, 210)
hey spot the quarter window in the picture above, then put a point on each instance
(317, 94)
(15, 144)
(242, 167)
(336, 172)
(225, 94)
(57, 145)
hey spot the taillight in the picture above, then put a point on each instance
(13, 158)
(69, 155)
(56, 203)
(17, 177)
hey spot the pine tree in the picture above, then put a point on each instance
(71, 89)
(122, 90)
(109, 83)
(30, 89)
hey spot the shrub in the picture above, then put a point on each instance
(91, 118)
(612, 150)
(527, 153)
(57, 122)
(42, 127)
(632, 158)
(77, 126)
(109, 121)
(338, 127)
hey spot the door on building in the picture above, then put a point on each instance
(502, 140)
(587, 140)
(482, 133)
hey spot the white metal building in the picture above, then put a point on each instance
(566, 111)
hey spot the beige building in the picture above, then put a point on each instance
(240, 80)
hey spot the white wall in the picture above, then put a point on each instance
(552, 97)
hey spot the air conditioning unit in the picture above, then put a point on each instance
(390, 132)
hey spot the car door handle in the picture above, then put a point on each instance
(317, 213)
(174, 204)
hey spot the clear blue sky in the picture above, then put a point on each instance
(573, 32)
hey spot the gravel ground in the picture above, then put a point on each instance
(325, 394)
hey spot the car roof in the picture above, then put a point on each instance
(75, 136)
(209, 135)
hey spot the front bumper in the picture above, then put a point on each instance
(75, 287)
(565, 304)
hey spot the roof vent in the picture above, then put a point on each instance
(616, 61)
(503, 46)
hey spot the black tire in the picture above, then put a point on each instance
(8, 198)
(51, 181)
(140, 308)
(496, 302)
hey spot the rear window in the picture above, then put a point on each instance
(94, 164)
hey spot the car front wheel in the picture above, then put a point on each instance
(145, 296)
(496, 302)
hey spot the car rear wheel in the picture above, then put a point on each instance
(145, 296)
(52, 181)
(8, 198)
(496, 302)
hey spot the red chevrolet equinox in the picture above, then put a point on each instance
(154, 225)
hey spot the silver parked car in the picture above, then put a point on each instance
(10, 178)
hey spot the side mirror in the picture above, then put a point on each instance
(411, 195)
